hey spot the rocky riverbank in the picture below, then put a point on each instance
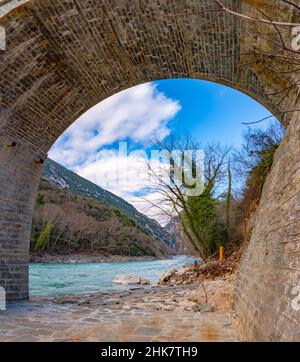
(200, 272)
(205, 297)
(199, 287)
(184, 307)
(87, 258)
(162, 313)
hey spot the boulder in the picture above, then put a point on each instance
(181, 271)
(203, 308)
(126, 279)
(130, 279)
(207, 267)
(144, 281)
(218, 293)
(166, 276)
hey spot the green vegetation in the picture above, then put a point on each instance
(39, 199)
(63, 178)
(199, 219)
(253, 164)
(259, 150)
(65, 224)
(44, 238)
(207, 223)
(220, 215)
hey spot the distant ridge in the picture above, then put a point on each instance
(67, 180)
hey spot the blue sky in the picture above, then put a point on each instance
(210, 111)
(207, 111)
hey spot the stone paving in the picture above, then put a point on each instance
(154, 314)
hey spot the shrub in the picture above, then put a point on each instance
(43, 238)
(39, 201)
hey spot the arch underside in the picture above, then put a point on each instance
(64, 56)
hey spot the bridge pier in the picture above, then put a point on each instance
(19, 180)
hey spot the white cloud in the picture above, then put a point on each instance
(120, 175)
(126, 177)
(137, 113)
(148, 206)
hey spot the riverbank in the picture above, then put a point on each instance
(206, 297)
(162, 313)
(46, 279)
(82, 258)
(203, 271)
(182, 308)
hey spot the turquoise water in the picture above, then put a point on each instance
(59, 279)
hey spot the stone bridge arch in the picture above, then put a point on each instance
(64, 56)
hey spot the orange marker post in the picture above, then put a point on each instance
(221, 254)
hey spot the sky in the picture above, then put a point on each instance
(207, 112)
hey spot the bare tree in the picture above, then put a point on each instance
(178, 177)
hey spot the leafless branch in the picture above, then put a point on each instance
(249, 18)
(273, 115)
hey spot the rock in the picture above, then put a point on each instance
(144, 281)
(166, 276)
(113, 301)
(219, 293)
(181, 271)
(198, 272)
(126, 307)
(205, 268)
(197, 296)
(126, 279)
(168, 308)
(130, 279)
(157, 300)
(155, 307)
(140, 300)
(203, 308)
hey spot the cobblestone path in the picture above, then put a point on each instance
(161, 314)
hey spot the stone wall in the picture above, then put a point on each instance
(270, 269)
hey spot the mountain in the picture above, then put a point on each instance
(67, 226)
(67, 180)
(174, 228)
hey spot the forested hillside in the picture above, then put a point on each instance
(65, 223)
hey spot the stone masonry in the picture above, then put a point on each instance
(270, 271)
(64, 56)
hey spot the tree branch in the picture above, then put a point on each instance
(249, 18)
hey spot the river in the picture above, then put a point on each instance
(60, 279)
